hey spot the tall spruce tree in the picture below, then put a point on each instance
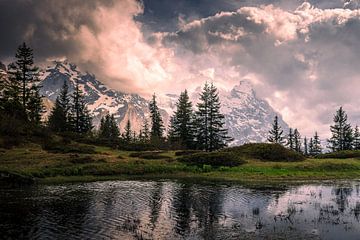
(157, 126)
(144, 135)
(108, 128)
(23, 71)
(306, 149)
(80, 115)
(59, 116)
(128, 134)
(276, 133)
(342, 134)
(297, 141)
(182, 122)
(34, 105)
(356, 140)
(210, 132)
(290, 139)
(311, 147)
(317, 149)
(21, 88)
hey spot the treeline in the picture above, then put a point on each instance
(343, 137)
(21, 109)
(202, 129)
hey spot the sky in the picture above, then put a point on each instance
(302, 57)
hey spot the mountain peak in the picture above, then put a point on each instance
(244, 86)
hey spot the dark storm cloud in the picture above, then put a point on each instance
(47, 25)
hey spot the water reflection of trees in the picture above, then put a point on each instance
(197, 208)
(341, 197)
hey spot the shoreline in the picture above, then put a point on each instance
(31, 164)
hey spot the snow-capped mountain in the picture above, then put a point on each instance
(247, 117)
(99, 98)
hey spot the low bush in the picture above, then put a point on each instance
(61, 147)
(76, 159)
(266, 152)
(148, 155)
(186, 152)
(214, 159)
(341, 154)
(9, 142)
(136, 146)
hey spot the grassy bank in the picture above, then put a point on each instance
(31, 161)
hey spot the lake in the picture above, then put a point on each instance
(180, 210)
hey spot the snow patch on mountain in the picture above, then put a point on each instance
(99, 98)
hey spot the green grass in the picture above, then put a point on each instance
(32, 161)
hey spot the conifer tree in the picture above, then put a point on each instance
(306, 150)
(290, 139)
(108, 128)
(157, 126)
(181, 124)
(144, 135)
(342, 134)
(316, 145)
(59, 116)
(20, 92)
(311, 147)
(356, 140)
(276, 133)
(80, 115)
(297, 141)
(211, 134)
(127, 136)
(23, 72)
(114, 129)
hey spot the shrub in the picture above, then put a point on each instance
(214, 159)
(61, 147)
(9, 142)
(76, 159)
(341, 154)
(148, 155)
(266, 152)
(186, 152)
(136, 146)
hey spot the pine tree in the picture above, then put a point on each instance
(20, 88)
(290, 139)
(356, 140)
(306, 150)
(23, 71)
(34, 106)
(59, 116)
(157, 126)
(316, 145)
(80, 115)
(311, 147)
(211, 134)
(108, 128)
(144, 135)
(181, 124)
(297, 141)
(127, 136)
(276, 133)
(342, 135)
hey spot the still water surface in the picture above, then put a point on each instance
(177, 210)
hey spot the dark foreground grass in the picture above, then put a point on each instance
(31, 161)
